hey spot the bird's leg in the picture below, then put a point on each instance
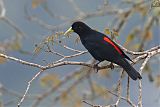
(96, 66)
(111, 65)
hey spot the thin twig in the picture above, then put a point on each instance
(140, 81)
(28, 86)
(128, 86)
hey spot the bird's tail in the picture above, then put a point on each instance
(130, 70)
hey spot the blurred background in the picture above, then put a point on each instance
(27, 27)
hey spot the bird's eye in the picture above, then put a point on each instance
(79, 27)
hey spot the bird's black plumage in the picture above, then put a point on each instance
(103, 48)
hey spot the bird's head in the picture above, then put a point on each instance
(78, 27)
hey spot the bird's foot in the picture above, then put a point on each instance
(96, 67)
(111, 65)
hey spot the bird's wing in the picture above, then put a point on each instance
(127, 57)
(116, 47)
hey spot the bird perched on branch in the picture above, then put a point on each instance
(102, 47)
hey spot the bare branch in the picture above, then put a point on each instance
(140, 81)
(27, 89)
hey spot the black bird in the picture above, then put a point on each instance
(102, 47)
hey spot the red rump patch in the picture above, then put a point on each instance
(110, 42)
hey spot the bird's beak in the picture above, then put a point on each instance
(70, 30)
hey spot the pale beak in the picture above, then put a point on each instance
(69, 31)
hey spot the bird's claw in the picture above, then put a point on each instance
(111, 65)
(96, 67)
